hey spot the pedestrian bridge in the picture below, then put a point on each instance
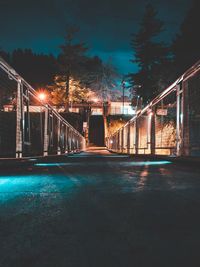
(168, 125)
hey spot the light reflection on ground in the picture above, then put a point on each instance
(132, 163)
(55, 164)
(10, 186)
(147, 163)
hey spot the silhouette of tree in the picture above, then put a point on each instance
(90, 73)
(5, 55)
(151, 55)
(72, 57)
(102, 78)
(186, 46)
(7, 86)
(95, 82)
(38, 69)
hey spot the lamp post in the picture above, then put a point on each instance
(123, 90)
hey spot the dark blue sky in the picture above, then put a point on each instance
(106, 25)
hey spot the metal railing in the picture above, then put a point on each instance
(27, 133)
(168, 125)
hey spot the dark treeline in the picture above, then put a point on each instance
(38, 69)
(89, 75)
(159, 63)
(186, 46)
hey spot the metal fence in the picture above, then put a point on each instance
(169, 125)
(27, 132)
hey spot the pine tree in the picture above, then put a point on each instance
(71, 58)
(186, 46)
(149, 54)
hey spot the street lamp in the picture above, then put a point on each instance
(123, 88)
(42, 96)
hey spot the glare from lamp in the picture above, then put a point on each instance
(42, 96)
(95, 100)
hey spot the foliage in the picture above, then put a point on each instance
(77, 93)
(90, 72)
(187, 43)
(71, 58)
(72, 76)
(151, 55)
(38, 69)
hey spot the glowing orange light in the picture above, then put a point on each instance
(95, 100)
(42, 96)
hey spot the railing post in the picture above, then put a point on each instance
(69, 141)
(72, 141)
(136, 136)
(128, 138)
(152, 131)
(58, 141)
(46, 137)
(179, 120)
(19, 120)
(122, 140)
(66, 139)
(118, 141)
(132, 136)
(76, 143)
(185, 119)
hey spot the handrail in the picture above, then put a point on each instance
(185, 76)
(14, 75)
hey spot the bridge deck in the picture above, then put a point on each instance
(99, 209)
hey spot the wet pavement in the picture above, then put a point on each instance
(97, 209)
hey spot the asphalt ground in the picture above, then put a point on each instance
(98, 209)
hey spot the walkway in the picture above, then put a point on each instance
(98, 209)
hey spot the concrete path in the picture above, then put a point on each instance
(97, 209)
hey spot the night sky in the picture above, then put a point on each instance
(106, 25)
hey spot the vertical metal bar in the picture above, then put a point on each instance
(66, 139)
(122, 140)
(72, 141)
(19, 120)
(185, 119)
(77, 143)
(136, 136)
(152, 131)
(182, 114)
(178, 141)
(118, 141)
(41, 129)
(46, 139)
(128, 138)
(58, 141)
(28, 118)
(69, 140)
(179, 121)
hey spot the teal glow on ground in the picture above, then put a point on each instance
(101, 211)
